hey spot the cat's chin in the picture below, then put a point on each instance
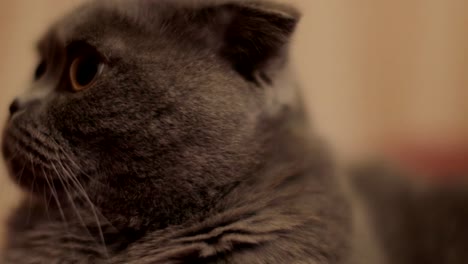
(28, 175)
(33, 180)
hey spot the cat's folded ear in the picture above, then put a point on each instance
(249, 34)
(255, 35)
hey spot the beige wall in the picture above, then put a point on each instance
(371, 68)
(383, 68)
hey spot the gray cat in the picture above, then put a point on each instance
(162, 131)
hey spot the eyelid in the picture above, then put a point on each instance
(78, 45)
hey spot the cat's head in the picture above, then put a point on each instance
(151, 107)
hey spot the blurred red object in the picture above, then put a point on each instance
(439, 160)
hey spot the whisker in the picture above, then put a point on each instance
(93, 211)
(13, 156)
(74, 177)
(22, 172)
(47, 205)
(70, 198)
(32, 191)
(80, 188)
(55, 196)
(60, 206)
(74, 164)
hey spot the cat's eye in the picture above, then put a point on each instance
(40, 70)
(84, 71)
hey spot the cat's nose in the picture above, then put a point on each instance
(15, 106)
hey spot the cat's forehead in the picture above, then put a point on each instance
(89, 22)
(100, 22)
(93, 19)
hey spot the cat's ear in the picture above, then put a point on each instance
(249, 34)
(254, 36)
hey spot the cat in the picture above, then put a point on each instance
(164, 131)
(413, 221)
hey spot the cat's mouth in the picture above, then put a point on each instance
(30, 165)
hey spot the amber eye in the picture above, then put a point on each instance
(84, 71)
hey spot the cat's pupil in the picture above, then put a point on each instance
(86, 70)
(40, 70)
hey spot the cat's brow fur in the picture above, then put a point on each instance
(182, 151)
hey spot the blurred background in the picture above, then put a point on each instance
(380, 77)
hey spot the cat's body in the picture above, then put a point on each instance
(414, 221)
(189, 144)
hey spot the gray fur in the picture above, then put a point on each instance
(180, 152)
